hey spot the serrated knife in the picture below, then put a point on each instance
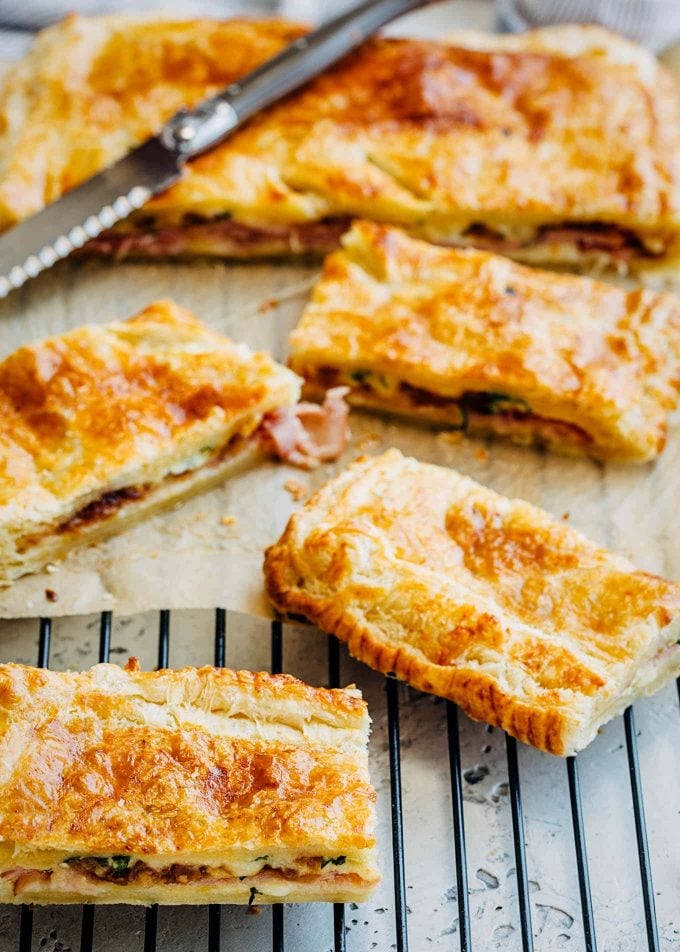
(113, 194)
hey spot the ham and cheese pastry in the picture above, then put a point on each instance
(559, 147)
(484, 600)
(190, 786)
(108, 423)
(475, 341)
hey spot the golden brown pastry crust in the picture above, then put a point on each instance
(399, 319)
(137, 413)
(187, 768)
(513, 134)
(481, 599)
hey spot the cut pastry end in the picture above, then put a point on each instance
(264, 794)
(123, 878)
(476, 342)
(487, 601)
(108, 424)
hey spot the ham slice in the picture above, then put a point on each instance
(597, 236)
(308, 433)
(222, 238)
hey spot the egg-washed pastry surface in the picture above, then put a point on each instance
(473, 340)
(560, 146)
(108, 423)
(488, 601)
(188, 786)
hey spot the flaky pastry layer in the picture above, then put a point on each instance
(108, 423)
(513, 141)
(470, 338)
(197, 785)
(484, 600)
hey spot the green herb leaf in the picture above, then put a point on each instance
(117, 864)
(335, 860)
(253, 892)
(360, 376)
(501, 402)
(488, 403)
(265, 857)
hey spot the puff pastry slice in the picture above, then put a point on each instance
(473, 340)
(558, 147)
(109, 423)
(484, 600)
(188, 786)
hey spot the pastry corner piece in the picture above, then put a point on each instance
(189, 786)
(474, 341)
(484, 600)
(109, 423)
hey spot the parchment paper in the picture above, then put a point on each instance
(190, 557)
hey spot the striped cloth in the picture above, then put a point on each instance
(654, 23)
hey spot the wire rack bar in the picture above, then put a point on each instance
(164, 639)
(151, 915)
(460, 851)
(26, 929)
(150, 928)
(581, 855)
(220, 637)
(276, 668)
(44, 640)
(520, 847)
(397, 814)
(641, 832)
(87, 929)
(87, 922)
(26, 919)
(215, 910)
(339, 935)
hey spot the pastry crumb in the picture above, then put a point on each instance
(268, 305)
(297, 489)
(368, 440)
(565, 515)
(450, 436)
(51, 568)
(482, 454)
(229, 520)
(51, 595)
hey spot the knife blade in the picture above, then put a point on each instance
(117, 191)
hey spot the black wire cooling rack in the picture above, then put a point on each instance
(463, 940)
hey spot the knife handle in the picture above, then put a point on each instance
(191, 132)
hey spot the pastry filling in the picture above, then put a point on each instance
(223, 236)
(621, 244)
(81, 873)
(305, 435)
(472, 409)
